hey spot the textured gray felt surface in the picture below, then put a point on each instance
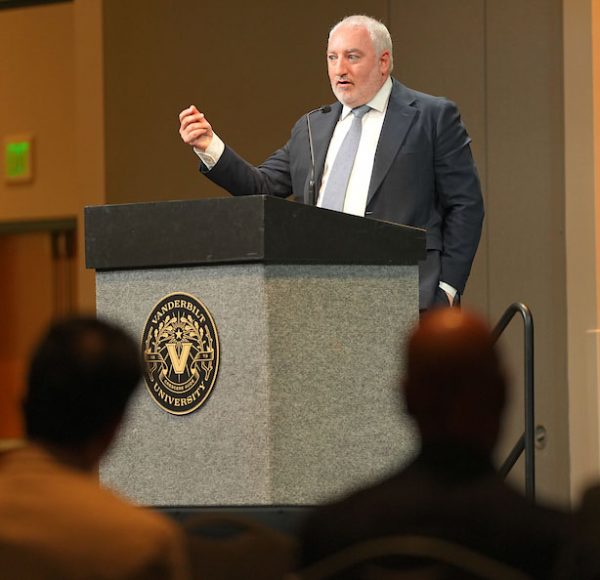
(306, 403)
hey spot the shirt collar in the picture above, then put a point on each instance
(378, 102)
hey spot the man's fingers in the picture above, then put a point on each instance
(194, 126)
(191, 111)
(193, 119)
(190, 118)
(190, 137)
(195, 133)
(186, 112)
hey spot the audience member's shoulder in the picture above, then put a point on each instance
(131, 519)
(581, 558)
(591, 499)
(587, 517)
(551, 518)
(343, 521)
(45, 488)
(49, 508)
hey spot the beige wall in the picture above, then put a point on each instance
(37, 96)
(90, 169)
(51, 88)
(114, 75)
(581, 155)
(525, 180)
(502, 62)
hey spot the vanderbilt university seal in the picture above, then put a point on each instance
(180, 346)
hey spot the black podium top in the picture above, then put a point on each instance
(241, 229)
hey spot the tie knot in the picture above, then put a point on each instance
(361, 111)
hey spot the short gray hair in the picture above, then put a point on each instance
(380, 35)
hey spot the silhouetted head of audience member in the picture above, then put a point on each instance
(81, 377)
(454, 385)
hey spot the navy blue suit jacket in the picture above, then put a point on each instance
(423, 175)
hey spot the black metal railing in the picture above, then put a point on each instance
(526, 442)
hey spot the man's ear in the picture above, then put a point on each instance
(384, 63)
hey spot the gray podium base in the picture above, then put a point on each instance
(306, 404)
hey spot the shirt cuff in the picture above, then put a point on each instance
(210, 157)
(450, 290)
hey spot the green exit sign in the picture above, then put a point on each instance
(17, 159)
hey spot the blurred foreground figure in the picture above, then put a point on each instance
(582, 559)
(55, 519)
(455, 390)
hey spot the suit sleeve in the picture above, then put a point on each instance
(459, 193)
(239, 177)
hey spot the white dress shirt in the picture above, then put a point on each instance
(357, 191)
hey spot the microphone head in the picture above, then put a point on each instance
(325, 109)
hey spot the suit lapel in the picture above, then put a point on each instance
(399, 117)
(323, 125)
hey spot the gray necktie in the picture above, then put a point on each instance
(335, 190)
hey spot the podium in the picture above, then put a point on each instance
(311, 307)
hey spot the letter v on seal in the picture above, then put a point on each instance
(177, 360)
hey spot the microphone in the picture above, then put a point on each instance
(312, 194)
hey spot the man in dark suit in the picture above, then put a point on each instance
(454, 389)
(412, 165)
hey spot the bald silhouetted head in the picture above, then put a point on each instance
(454, 385)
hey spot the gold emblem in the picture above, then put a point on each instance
(180, 346)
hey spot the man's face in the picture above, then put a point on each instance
(355, 71)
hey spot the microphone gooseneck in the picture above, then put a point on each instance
(312, 194)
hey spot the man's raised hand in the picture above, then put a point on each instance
(194, 129)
